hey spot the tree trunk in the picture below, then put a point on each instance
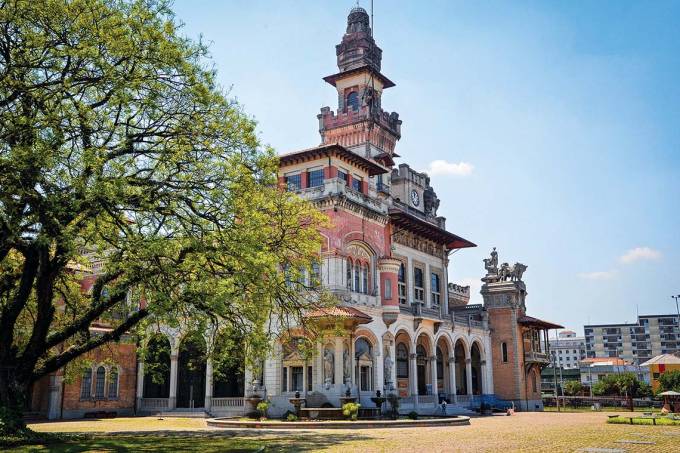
(13, 395)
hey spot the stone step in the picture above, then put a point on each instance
(183, 414)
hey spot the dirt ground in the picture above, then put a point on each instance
(536, 431)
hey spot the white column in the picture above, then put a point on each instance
(319, 366)
(488, 357)
(338, 364)
(172, 402)
(353, 378)
(413, 375)
(140, 385)
(452, 379)
(468, 372)
(433, 372)
(483, 377)
(393, 356)
(209, 384)
(410, 297)
(427, 299)
(304, 378)
(379, 366)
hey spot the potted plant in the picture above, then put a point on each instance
(262, 407)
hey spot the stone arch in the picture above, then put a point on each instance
(443, 352)
(425, 351)
(191, 370)
(461, 354)
(227, 352)
(157, 366)
(404, 347)
(476, 368)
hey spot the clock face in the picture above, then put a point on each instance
(415, 198)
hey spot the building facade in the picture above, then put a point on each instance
(595, 369)
(636, 343)
(567, 350)
(401, 327)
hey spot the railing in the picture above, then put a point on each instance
(227, 402)
(154, 403)
(533, 356)
(426, 399)
(407, 399)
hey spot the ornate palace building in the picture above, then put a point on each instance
(406, 329)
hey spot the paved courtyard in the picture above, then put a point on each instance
(586, 432)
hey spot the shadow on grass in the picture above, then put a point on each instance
(205, 442)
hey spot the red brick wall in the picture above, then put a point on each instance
(123, 355)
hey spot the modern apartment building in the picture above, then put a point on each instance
(650, 336)
(567, 350)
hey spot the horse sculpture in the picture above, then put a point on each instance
(514, 272)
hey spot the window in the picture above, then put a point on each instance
(418, 283)
(440, 363)
(296, 378)
(113, 383)
(284, 380)
(533, 382)
(504, 352)
(401, 283)
(365, 378)
(294, 182)
(316, 178)
(435, 288)
(364, 279)
(388, 288)
(353, 100)
(402, 361)
(309, 379)
(86, 385)
(342, 175)
(99, 383)
(356, 184)
(357, 277)
(315, 280)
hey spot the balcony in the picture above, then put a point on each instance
(536, 357)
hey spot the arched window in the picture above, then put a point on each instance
(504, 351)
(402, 284)
(440, 363)
(315, 278)
(349, 274)
(357, 277)
(533, 382)
(364, 279)
(113, 383)
(402, 361)
(353, 100)
(86, 384)
(364, 361)
(100, 382)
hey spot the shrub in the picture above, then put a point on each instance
(670, 380)
(413, 415)
(262, 407)
(292, 417)
(351, 410)
(572, 387)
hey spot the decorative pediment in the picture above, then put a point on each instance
(358, 251)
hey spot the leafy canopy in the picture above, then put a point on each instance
(133, 190)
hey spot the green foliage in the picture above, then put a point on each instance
(262, 407)
(292, 418)
(624, 384)
(670, 380)
(572, 387)
(351, 410)
(413, 415)
(123, 163)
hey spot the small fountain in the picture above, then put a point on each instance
(297, 402)
(348, 398)
(378, 400)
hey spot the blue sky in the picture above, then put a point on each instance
(558, 124)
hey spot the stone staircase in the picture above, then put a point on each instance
(181, 413)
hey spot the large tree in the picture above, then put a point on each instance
(118, 150)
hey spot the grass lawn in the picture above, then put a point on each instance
(549, 432)
(624, 419)
(603, 409)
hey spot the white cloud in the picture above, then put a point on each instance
(442, 167)
(639, 254)
(598, 275)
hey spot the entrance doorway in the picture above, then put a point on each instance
(191, 373)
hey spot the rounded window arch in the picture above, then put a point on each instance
(402, 360)
(100, 382)
(114, 376)
(353, 101)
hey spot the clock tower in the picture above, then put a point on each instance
(360, 124)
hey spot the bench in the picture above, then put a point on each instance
(324, 413)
